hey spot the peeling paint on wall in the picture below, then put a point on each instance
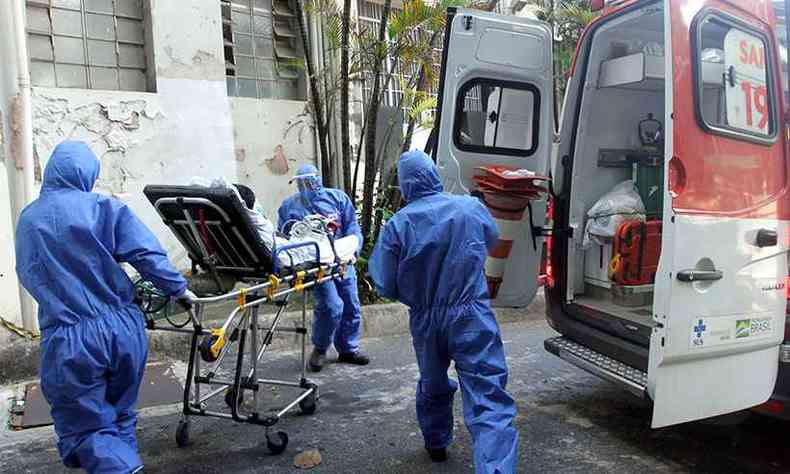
(110, 128)
(300, 125)
(177, 62)
(241, 155)
(278, 164)
(16, 131)
(272, 138)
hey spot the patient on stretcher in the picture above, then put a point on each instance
(305, 231)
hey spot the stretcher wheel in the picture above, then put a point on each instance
(230, 397)
(276, 444)
(182, 434)
(205, 349)
(309, 404)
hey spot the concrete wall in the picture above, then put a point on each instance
(273, 139)
(187, 127)
(184, 129)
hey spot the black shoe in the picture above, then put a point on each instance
(437, 455)
(317, 359)
(355, 358)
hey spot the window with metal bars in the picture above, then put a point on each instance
(404, 73)
(89, 44)
(262, 58)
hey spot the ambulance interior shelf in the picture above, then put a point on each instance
(647, 174)
(646, 71)
(623, 241)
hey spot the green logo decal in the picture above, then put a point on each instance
(743, 328)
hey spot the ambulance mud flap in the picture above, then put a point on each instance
(630, 378)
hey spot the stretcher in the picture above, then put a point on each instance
(231, 265)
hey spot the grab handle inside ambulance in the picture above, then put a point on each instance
(691, 276)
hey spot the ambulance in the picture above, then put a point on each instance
(672, 137)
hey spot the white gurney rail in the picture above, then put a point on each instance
(229, 252)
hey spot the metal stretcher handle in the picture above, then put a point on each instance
(286, 248)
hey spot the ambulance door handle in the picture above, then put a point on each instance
(766, 238)
(691, 276)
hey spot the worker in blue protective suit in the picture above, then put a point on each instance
(69, 246)
(430, 256)
(337, 317)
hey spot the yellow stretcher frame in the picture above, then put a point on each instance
(213, 345)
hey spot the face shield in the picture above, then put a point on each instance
(307, 184)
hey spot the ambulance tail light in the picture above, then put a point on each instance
(787, 310)
(771, 407)
(548, 270)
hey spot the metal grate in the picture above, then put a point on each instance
(369, 18)
(89, 44)
(261, 53)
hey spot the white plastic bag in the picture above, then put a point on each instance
(712, 55)
(621, 204)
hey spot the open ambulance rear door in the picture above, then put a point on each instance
(496, 108)
(720, 306)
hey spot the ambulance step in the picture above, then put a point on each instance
(630, 378)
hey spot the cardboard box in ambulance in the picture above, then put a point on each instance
(681, 300)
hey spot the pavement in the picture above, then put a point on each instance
(19, 357)
(569, 422)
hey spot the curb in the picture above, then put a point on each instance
(19, 358)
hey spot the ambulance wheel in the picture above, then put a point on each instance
(230, 397)
(205, 349)
(182, 434)
(276, 444)
(309, 404)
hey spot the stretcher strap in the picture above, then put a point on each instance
(299, 281)
(642, 232)
(218, 343)
(242, 300)
(274, 283)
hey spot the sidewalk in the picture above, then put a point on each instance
(19, 358)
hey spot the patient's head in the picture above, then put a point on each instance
(246, 195)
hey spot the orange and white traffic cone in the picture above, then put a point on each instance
(507, 210)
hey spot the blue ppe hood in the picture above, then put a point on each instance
(71, 166)
(418, 176)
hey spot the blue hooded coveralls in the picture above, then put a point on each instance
(430, 256)
(69, 243)
(337, 317)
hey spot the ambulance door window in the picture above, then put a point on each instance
(497, 117)
(732, 74)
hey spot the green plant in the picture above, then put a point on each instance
(412, 35)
